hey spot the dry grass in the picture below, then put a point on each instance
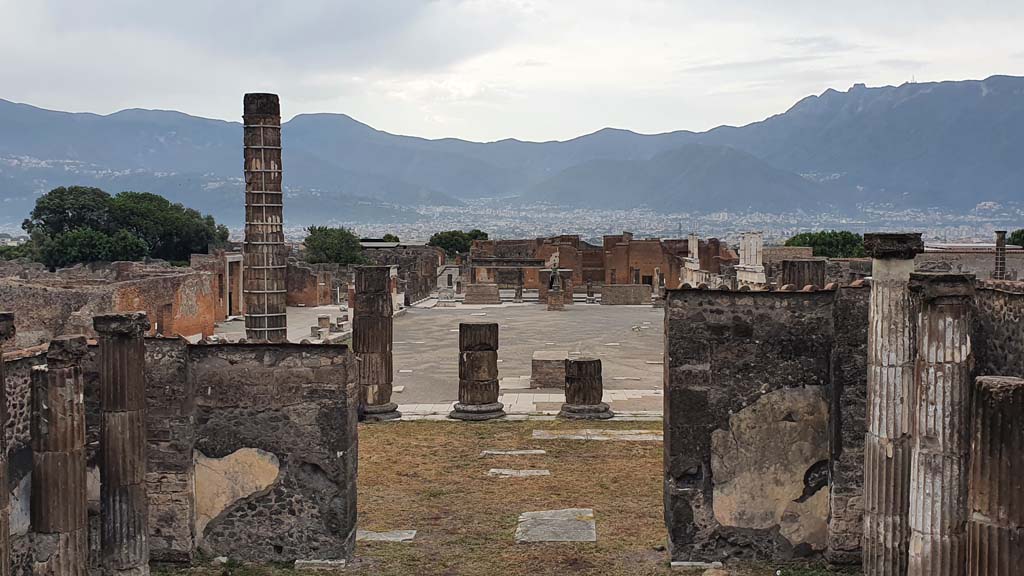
(429, 476)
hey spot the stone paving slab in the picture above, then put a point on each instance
(513, 453)
(569, 525)
(510, 473)
(389, 536)
(599, 434)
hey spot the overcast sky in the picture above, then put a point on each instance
(493, 69)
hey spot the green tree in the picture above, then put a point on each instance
(91, 245)
(332, 245)
(15, 252)
(172, 231)
(1016, 238)
(456, 241)
(831, 243)
(66, 208)
(390, 238)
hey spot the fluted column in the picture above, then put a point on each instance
(59, 500)
(891, 351)
(124, 509)
(478, 373)
(995, 529)
(6, 333)
(584, 389)
(941, 439)
(372, 325)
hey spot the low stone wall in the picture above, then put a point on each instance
(625, 294)
(482, 294)
(548, 369)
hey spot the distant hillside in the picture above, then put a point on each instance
(947, 144)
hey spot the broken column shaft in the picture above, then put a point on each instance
(124, 509)
(372, 342)
(265, 254)
(584, 390)
(891, 351)
(478, 373)
(6, 333)
(59, 500)
(941, 412)
(995, 529)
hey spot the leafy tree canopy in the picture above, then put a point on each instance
(831, 243)
(1016, 238)
(456, 241)
(332, 245)
(390, 238)
(79, 224)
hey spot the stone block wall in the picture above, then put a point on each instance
(625, 294)
(747, 378)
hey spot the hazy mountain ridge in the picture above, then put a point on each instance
(946, 144)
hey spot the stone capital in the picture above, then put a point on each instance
(6, 326)
(261, 104)
(122, 324)
(931, 285)
(68, 350)
(893, 245)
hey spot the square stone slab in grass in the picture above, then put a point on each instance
(570, 525)
(508, 473)
(389, 536)
(513, 453)
(599, 434)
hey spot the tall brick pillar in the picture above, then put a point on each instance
(6, 333)
(478, 373)
(372, 342)
(941, 431)
(999, 273)
(891, 347)
(59, 501)
(124, 509)
(264, 253)
(995, 538)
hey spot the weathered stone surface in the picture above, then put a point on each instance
(389, 536)
(478, 373)
(569, 525)
(893, 245)
(584, 389)
(548, 369)
(625, 294)
(221, 482)
(372, 341)
(599, 434)
(482, 294)
(510, 473)
(769, 468)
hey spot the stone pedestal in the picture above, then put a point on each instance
(124, 506)
(547, 369)
(372, 342)
(941, 441)
(891, 350)
(478, 373)
(590, 292)
(482, 294)
(59, 501)
(555, 301)
(584, 389)
(995, 541)
(6, 333)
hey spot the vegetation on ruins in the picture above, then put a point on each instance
(77, 224)
(456, 241)
(1016, 238)
(390, 238)
(325, 244)
(831, 243)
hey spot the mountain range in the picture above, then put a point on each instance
(947, 145)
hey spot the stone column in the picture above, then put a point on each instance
(265, 254)
(519, 287)
(584, 390)
(372, 342)
(891, 346)
(999, 273)
(941, 440)
(124, 508)
(59, 501)
(478, 373)
(995, 541)
(6, 333)
(590, 292)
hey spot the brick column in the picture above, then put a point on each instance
(519, 287)
(478, 373)
(999, 273)
(941, 441)
(6, 333)
(995, 540)
(584, 390)
(59, 501)
(124, 508)
(372, 341)
(265, 254)
(891, 346)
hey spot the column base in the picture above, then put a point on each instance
(477, 412)
(381, 412)
(586, 411)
